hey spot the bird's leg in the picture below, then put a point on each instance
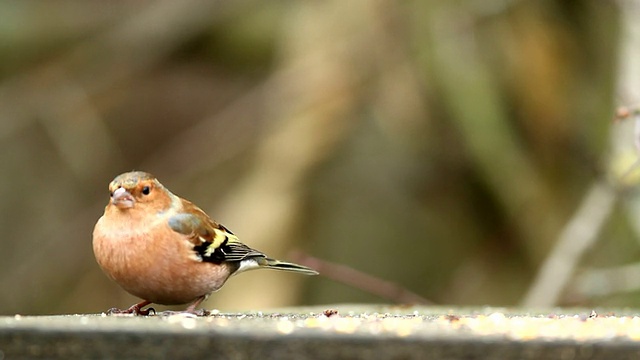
(192, 308)
(135, 309)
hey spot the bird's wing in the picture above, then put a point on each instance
(211, 241)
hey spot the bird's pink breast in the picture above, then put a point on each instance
(155, 263)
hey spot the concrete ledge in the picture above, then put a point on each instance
(354, 332)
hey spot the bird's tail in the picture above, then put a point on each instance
(268, 263)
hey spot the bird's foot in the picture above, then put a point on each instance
(135, 309)
(192, 308)
(202, 312)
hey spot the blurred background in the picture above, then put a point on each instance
(457, 152)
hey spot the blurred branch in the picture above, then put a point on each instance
(359, 280)
(576, 238)
(623, 113)
(604, 282)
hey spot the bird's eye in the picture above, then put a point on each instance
(146, 190)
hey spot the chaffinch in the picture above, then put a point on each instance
(166, 250)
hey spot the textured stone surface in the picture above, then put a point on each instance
(334, 332)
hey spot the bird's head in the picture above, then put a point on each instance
(137, 189)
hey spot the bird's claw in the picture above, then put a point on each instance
(133, 310)
(149, 311)
(202, 312)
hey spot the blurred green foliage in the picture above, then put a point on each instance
(439, 145)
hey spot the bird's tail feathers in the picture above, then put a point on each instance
(285, 266)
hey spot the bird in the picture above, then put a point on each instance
(165, 250)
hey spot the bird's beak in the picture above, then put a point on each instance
(122, 199)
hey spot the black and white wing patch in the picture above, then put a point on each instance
(212, 242)
(227, 251)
